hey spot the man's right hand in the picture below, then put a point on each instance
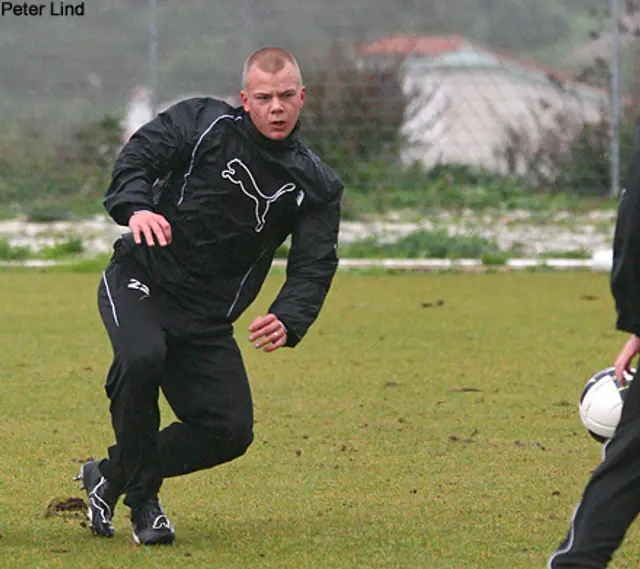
(623, 362)
(150, 224)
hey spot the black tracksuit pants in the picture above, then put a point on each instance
(610, 501)
(197, 365)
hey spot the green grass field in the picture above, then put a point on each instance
(427, 421)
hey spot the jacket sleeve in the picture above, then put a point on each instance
(312, 263)
(156, 148)
(625, 273)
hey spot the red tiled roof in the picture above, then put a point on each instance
(405, 45)
(435, 45)
(431, 46)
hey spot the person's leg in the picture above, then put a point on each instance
(611, 499)
(205, 382)
(130, 312)
(207, 387)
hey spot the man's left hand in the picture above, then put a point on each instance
(268, 332)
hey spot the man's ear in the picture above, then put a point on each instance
(303, 96)
(245, 100)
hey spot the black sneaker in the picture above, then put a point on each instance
(150, 525)
(102, 498)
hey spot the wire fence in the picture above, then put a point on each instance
(397, 90)
(462, 102)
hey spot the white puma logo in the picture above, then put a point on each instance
(162, 522)
(99, 504)
(135, 284)
(243, 177)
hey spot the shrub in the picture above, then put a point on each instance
(494, 258)
(353, 115)
(570, 154)
(422, 245)
(74, 166)
(70, 246)
(10, 252)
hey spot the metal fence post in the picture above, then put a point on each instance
(615, 100)
(153, 55)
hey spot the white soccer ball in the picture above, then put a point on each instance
(601, 403)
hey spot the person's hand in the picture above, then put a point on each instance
(623, 362)
(149, 224)
(269, 332)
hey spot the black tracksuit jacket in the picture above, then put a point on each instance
(625, 274)
(232, 196)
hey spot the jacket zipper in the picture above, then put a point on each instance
(244, 280)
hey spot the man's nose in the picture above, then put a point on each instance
(276, 105)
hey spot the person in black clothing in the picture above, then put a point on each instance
(611, 499)
(209, 193)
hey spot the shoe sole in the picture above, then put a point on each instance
(167, 540)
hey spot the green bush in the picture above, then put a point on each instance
(494, 258)
(423, 245)
(69, 168)
(44, 214)
(382, 187)
(68, 247)
(348, 135)
(568, 155)
(10, 252)
(571, 254)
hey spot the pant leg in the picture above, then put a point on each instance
(610, 501)
(131, 315)
(207, 387)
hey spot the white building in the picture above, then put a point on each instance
(467, 98)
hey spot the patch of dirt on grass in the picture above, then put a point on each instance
(71, 507)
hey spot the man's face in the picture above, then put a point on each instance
(273, 100)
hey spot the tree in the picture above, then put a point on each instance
(353, 114)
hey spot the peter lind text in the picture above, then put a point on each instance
(50, 9)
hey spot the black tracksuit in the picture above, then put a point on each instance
(231, 196)
(611, 499)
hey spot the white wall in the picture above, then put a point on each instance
(465, 111)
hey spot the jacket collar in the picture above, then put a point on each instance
(269, 143)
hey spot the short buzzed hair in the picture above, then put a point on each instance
(271, 60)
